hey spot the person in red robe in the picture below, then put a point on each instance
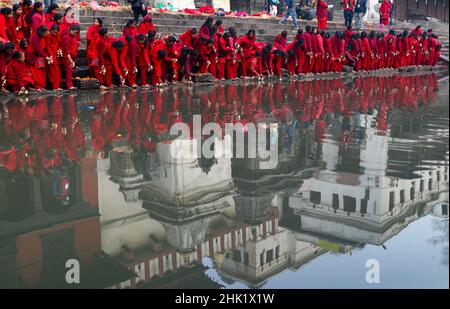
(205, 29)
(367, 54)
(204, 58)
(57, 19)
(309, 59)
(249, 46)
(130, 29)
(19, 77)
(158, 57)
(328, 48)
(319, 52)
(434, 48)
(142, 59)
(226, 55)
(7, 26)
(53, 41)
(189, 38)
(38, 47)
(130, 60)
(291, 62)
(385, 13)
(146, 25)
(27, 7)
(52, 10)
(117, 54)
(97, 52)
(68, 41)
(36, 17)
(382, 51)
(170, 66)
(353, 53)
(92, 32)
(322, 14)
(391, 49)
(19, 21)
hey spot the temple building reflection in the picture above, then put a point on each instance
(95, 181)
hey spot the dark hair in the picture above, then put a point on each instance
(67, 10)
(140, 37)
(284, 34)
(74, 28)
(308, 28)
(118, 44)
(41, 30)
(194, 30)
(208, 22)
(100, 20)
(23, 42)
(128, 39)
(16, 7)
(37, 5)
(232, 31)
(171, 39)
(52, 7)
(194, 53)
(103, 31)
(6, 11)
(151, 34)
(54, 27)
(219, 22)
(9, 45)
(251, 31)
(162, 54)
(27, 2)
(226, 35)
(129, 23)
(16, 55)
(57, 16)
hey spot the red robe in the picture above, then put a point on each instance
(19, 75)
(8, 29)
(67, 45)
(53, 69)
(145, 27)
(385, 12)
(38, 47)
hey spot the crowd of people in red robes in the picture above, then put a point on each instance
(39, 47)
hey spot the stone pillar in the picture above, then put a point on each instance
(373, 15)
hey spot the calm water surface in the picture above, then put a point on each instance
(361, 175)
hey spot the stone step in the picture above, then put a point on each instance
(237, 23)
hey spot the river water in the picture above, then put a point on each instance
(357, 196)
